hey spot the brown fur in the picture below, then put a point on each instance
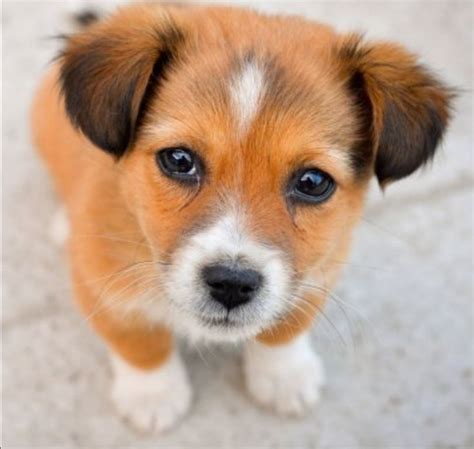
(372, 102)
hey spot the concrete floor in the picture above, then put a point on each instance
(402, 379)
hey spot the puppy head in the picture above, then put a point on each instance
(245, 145)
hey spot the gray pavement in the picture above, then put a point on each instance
(400, 374)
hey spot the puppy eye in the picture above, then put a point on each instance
(312, 186)
(178, 163)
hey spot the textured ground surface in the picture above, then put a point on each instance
(404, 378)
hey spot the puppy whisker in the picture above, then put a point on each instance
(361, 322)
(325, 316)
(120, 297)
(114, 239)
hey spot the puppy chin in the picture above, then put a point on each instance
(214, 329)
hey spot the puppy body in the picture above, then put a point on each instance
(259, 100)
(105, 240)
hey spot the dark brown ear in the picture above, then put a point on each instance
(109, 71)
(405, 107)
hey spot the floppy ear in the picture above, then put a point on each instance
(109, 72)
(405, 108)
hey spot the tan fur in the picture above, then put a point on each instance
(105, 239)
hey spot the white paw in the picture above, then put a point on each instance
(151, 401)
(287, 378)
(59, 228)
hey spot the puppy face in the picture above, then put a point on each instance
(245, 146)
(267, 190)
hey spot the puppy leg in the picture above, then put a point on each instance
(150, 389)
(286, 376)
(281, 369)
(152, 400)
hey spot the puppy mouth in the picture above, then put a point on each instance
(220, 322)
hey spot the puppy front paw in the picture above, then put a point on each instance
(286, 378)
(151, 401)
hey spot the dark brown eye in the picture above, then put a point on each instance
(179, 163)
(312, 186)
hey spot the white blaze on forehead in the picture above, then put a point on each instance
(247, 89)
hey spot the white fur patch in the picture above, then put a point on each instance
(285, 377)
(154, 400)
(59, 230)
(225, 241)
(247, 89)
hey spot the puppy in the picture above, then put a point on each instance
(213, 163)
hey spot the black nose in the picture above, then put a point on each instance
(231, 286)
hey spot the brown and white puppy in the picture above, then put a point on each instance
(213, 162)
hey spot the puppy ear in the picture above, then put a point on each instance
(403, 107)
(109, 71)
